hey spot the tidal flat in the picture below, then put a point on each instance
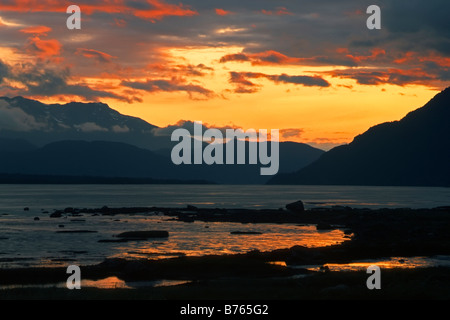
(299, 272)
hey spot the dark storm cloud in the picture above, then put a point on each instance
(246, 86)
(392, 76)
(414, 25)
(173, 85)
(301, 80)
(42, 80)
(291, 133)
(101, 57)
(313, 28)
(305, 33)
(276, 58)
(411, 16)
(314, 32)
(441, 72)
(289, 32)
(4, 71)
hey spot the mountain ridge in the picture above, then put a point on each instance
(41, 123)
(414, 151)
(108, 159)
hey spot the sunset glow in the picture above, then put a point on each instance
(318, 75)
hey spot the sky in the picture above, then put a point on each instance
(311, 69)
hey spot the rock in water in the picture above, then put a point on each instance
(324, 226)
(56, 214)
(245, 232)
(296, 207)
(76, 231)
(143, 234)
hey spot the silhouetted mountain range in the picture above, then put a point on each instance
(40, 123)
(94, 141)
(120, 160)
(414, 151)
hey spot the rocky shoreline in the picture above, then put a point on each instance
(372, 234)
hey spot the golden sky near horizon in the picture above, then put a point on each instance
(314, 71)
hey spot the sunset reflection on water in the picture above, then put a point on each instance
(52, 243)
(117, 283)
(390, 263)
(216, 238)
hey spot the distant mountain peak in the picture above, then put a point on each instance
(119, 142)
(20, 102)
(41, 123)
(69, 116)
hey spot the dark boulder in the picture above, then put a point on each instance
(296, 207)
(324, 226)
(143, 234)
(185, 218)
(76, 231)
(245, 232)
(56, 214)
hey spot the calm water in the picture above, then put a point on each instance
(15, 197)
(26, 242)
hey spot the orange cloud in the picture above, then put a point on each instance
(280, 11)
(152, 9)
(441, 61)
(43, 48)
(222, 12)
(274, 57)
(34, 6)
(413, 57)
(291, 134)
(160, 10)
(170, 71)
(120, 22)
(391, 76)
(195, 92)
(244, 85)
(408, 56)
(94, 54)
(269, 57)
(375, 53)
(37, 30)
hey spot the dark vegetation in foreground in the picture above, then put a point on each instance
(397, 284)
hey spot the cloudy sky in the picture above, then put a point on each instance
(309, 68)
